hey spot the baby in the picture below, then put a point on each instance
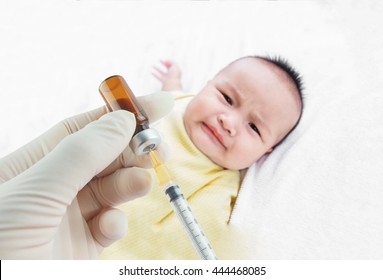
(243, 113)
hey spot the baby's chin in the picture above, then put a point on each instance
(229, 163)
(217, 157)
(224, 163)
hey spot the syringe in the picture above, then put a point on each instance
(117, 95)
(182, 209)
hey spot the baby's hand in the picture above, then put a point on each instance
(169, 75)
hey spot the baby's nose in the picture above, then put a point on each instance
(228, 124)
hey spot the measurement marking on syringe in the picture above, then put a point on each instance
(192, 227)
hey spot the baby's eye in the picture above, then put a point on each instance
(254, 127)
(228, 99)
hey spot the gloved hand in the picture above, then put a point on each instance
(57, 193)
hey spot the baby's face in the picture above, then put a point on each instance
(242, 113)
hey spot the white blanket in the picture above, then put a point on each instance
(317, 196)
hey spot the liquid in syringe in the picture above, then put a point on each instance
(162, 172)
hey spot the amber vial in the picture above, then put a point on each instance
(118, 96)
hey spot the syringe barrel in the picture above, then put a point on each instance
(185, 215)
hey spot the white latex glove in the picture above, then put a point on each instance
(57, 193)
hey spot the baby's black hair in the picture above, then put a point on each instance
(294, 76)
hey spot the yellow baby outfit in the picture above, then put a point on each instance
(154, 230)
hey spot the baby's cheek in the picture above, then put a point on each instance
(243, 157)
(199, 109)
(207, 102)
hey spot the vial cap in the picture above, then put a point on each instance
(145, 141)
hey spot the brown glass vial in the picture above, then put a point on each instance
(118, 96)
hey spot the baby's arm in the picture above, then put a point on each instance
(171, 77)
